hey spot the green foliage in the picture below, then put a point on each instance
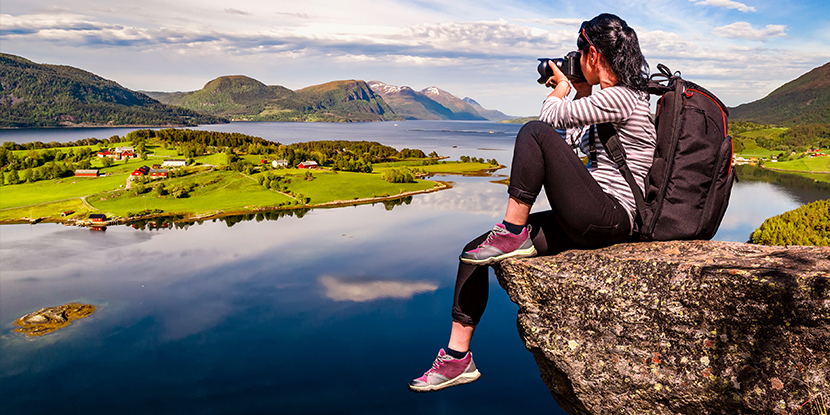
(398, 175)
(36, 95)
(806, 225)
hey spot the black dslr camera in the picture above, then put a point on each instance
(569, 66)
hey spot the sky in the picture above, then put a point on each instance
(483, 49)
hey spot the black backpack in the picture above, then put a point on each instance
(688, 186)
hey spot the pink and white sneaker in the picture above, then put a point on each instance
(446, 371)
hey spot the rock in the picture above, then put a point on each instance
(49, 319)
(682, 327)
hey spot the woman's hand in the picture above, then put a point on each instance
(557, 77)
(559, 82)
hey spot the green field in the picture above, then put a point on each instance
(213, 191)
(216, 191)
(329, 186)
(807, 164)
(54, 190)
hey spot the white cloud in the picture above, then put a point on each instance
(363, 291)
(728, 4)
(743, 30)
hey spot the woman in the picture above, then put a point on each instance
(590, 207)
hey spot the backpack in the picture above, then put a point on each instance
(688, 186)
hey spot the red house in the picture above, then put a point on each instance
(143, 170)
(158, 173)
(308, 164)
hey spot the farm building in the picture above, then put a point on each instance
(158, 173)
(308, 164)
(98, 217)
(279, 163)
(86, 173)
(174, 163)
(143, 170)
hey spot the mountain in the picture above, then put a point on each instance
(801, 101)
(41, 95)
(241, 97)
(492, 115)
(460, 109)
(429, 104)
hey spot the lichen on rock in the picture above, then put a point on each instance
(682, 327)
(50, 319)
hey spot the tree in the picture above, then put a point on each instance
(28, 175)
(106, 162)
(14, 178)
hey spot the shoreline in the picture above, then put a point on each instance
(190, 216)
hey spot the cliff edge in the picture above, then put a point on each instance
(682, 327)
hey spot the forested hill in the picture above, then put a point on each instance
(244, 98)
(801, 101)
(40, 95)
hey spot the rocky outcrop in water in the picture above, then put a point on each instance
(693, 327)
(50, 319)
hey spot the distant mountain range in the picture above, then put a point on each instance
(432, 104)
(244, 98)
(801, 101)
(39, 95)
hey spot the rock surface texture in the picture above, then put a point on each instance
(693, 327)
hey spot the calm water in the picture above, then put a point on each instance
(329, 313)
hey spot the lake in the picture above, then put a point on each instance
(327, 312)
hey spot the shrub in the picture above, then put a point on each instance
(806, 225)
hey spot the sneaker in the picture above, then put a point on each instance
(501, 244)
(446, 371)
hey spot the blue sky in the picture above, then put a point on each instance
(487, 50)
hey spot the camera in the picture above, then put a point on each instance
(569, 65)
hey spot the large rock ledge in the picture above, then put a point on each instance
(693, 327)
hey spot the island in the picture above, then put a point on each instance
(194, 174)
(50, 319)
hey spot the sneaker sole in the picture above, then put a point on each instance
(519, 253)
(458, 380)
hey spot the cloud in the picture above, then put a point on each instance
(363, 291)
(554, 22)
(236, 11)
(743, 30)
(727, 4)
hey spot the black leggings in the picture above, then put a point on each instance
(582, 215)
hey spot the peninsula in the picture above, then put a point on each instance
(201, 174)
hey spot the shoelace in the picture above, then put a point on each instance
(437, 363)
(489, 236)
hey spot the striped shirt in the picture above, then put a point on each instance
(628, 111)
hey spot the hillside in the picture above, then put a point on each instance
(41, 95)
(492, 115)
(244, 98)
(428, 104)
(801, 101)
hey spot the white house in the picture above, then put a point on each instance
(279, 163)
(174, 163)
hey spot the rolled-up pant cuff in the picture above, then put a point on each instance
(522, 195)
(463, 318)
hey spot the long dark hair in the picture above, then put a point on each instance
(619, 46)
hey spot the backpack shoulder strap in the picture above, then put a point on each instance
(608, 137)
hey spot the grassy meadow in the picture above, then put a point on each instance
(212, 191)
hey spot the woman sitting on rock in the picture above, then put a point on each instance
(590, 208)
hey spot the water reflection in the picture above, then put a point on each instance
(243, 313)
(360, 290)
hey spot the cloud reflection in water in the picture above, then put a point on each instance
(338, 289)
